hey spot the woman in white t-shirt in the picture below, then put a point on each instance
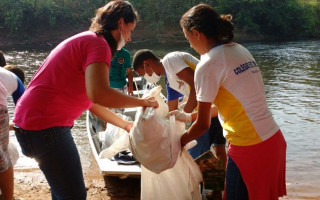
(228, 76)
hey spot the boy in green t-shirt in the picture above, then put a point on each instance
(121, 69)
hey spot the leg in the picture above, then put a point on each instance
(6, 169)
(220, 153)
(6, 183)
(58, 158)
(218, 141)
(235, 186)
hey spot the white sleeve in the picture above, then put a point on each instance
(174, 63)
(207, 80)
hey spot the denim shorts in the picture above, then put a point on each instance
(213, 136)
(56, 153)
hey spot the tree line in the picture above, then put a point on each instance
(273, 18)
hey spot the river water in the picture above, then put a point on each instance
(291, 72)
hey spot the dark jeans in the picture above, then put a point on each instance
(58, 158)
(236, 189)
(213, 136)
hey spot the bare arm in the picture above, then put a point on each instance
(100, 92)
(11, 125)
(187, 75)
(201, 124)
(130, 80)
(173, 104)
(108, 116)
(214, 113)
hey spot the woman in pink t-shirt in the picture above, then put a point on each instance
(73, 78)
(228, 76)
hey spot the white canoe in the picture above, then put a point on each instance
(95, 125)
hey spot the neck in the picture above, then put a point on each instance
(210, 45)
(161, 69)
(158, 68)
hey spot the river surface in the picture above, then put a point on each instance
(291, 72)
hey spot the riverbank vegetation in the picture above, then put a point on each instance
(159, 19)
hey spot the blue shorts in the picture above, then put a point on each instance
(213, 136)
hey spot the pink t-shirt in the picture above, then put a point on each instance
(56, 95)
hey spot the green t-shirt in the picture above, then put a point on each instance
(118, 69)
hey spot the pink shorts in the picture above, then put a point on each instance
(263, 167)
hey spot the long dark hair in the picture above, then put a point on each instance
(206, 20)
(107, 18)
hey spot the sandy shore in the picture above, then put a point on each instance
(30, 184)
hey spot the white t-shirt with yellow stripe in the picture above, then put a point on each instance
(175, 62)
(229, 77)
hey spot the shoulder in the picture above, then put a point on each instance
(87, 34)
(179, 55)
(173, 55)
(7, 75)
(125, 51)
(9, 80)
(87, 39)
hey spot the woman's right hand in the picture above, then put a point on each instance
(150, 102)
(181, 116)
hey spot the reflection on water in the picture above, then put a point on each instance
(291, 74)
(292, 79)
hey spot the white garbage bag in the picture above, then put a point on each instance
(167, 171)
(163, 108)
(178, 183)
(114, 139)
(154, 141)
(119, 145)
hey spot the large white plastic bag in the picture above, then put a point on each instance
(114, 139)
(154, 141)
(119, 145)
(178, 183)
(163, 108)
(112, 133)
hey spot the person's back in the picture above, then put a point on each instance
(63, 98)
(174, 63)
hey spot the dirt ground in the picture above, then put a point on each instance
(30, 184)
